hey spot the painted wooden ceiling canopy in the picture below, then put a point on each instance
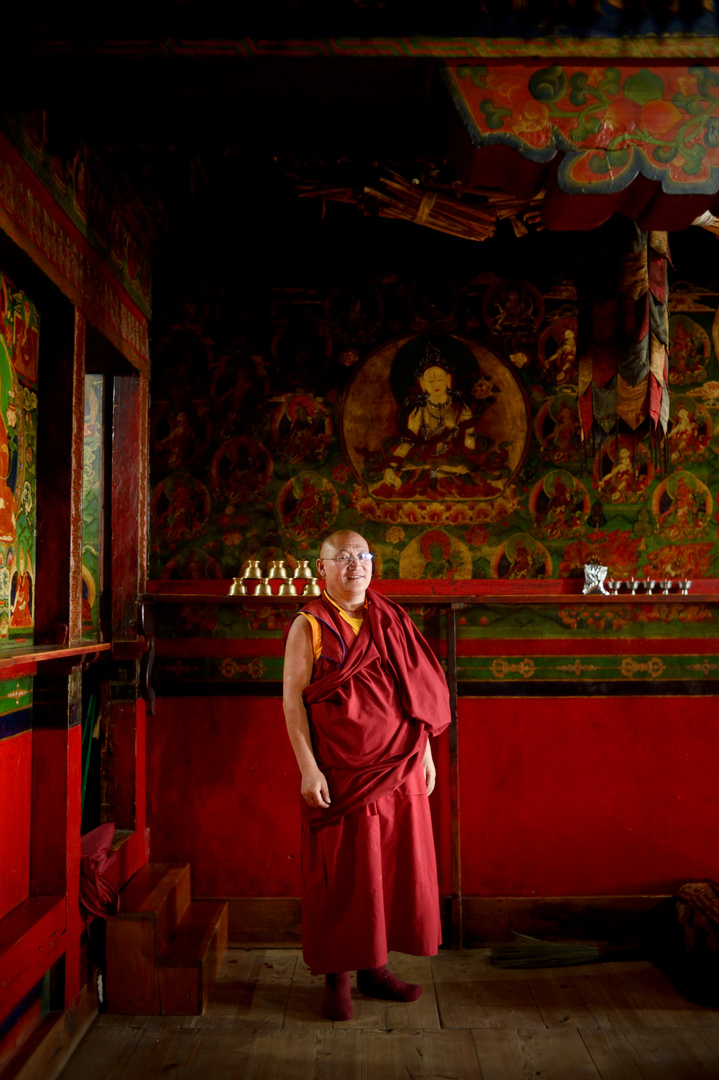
(597, 137)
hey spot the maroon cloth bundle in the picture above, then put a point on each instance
(98, 894)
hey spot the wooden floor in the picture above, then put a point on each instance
(621, 1021)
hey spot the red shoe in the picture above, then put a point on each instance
(381, 983)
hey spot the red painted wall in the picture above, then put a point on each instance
(15, 792)
(587, 796)
(223, 793)
(576, 796)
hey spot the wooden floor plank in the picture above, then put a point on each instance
(403, 1054)
(238, 964)
(471, 965)
(337, 1055)
(503, 1004)
(675, 1053)
(304, 1004)
(559, 1001)
(120, 1020)
(231, 993)
(180, 1052)
(657, 1000)
(603, 993)
(300, 1055)
(596, 1022)
(154, 1047)
(215, 1054)
(612, 1055)
(516, 1055)
(273, 972)
(104, 1052)
(280, 1055)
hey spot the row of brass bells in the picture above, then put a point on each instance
(287, 588)
(277, 569)
(251, 570)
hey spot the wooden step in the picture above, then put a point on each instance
(152, 905)
(188, 966)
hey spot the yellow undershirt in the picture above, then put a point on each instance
(355, 623)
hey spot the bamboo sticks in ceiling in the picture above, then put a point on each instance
(396, 198)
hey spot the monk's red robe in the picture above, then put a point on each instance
(368, 861)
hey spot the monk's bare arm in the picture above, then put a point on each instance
(299, 659)
(430, 772)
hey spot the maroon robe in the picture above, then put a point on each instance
(368, 861)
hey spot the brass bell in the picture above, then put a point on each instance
(264, 588)
(287, 588)
(277, 569)
(303, 569)
(252, 569)
(237, 588)
(311, 588)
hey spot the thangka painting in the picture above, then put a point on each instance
(92, 499)
(435, 419)
(18, 443)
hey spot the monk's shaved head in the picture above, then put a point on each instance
(338, 540)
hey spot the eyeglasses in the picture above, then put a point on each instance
(362, 557)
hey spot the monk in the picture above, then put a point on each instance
(362, 694)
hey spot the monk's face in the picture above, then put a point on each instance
(347, 580)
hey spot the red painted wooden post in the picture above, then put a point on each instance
(123, 793)
(56, 802)
(129, 502)
(76, 470)
(57, 710)
(457, 928)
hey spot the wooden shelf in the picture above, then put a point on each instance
(32, 654)
(447, 599)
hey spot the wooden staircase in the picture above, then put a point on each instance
(163, 949)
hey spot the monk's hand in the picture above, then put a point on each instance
(315, 790)
(430, 772)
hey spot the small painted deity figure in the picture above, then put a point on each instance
(684, 435)
(439, 444)
(620, 478)
(22, 604)
(565, 356)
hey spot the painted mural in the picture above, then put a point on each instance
(18, 442)
(92, 502)
(447, 432)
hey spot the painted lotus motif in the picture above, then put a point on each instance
(610, 123)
